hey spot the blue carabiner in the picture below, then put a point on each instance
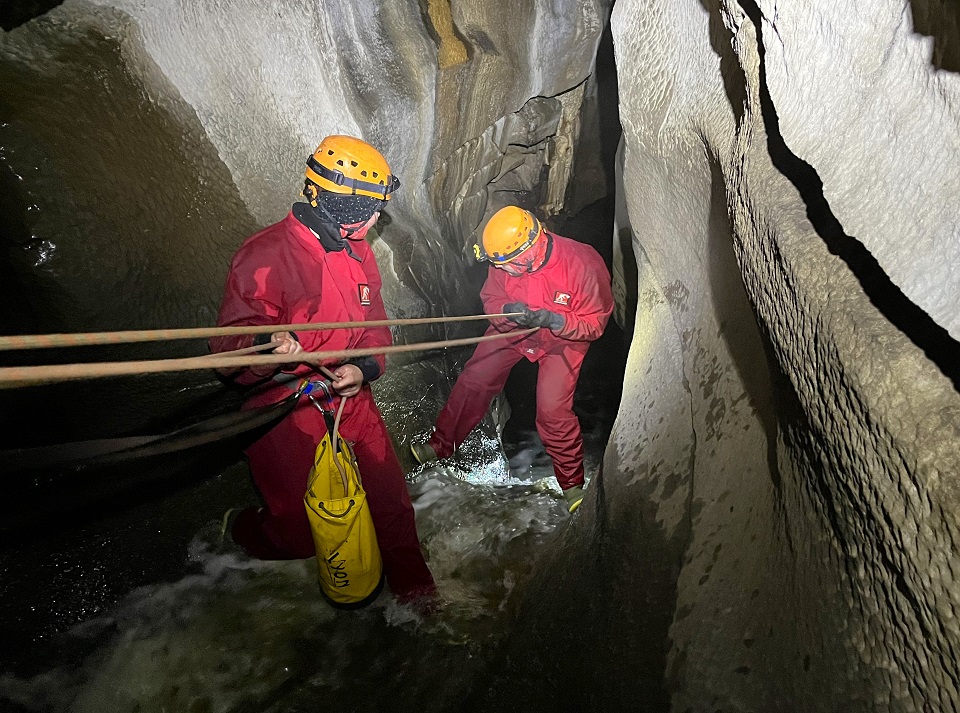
(309, 387)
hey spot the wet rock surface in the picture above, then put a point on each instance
(774, 424)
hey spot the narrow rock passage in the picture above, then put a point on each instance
(226, 633)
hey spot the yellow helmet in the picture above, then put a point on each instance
(509, 233)
(346, 165)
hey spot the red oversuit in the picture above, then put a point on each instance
(283, 275)
(574, 282)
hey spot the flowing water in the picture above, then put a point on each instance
(226, 633)
(238, 634)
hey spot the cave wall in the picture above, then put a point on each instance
(145, 141)
(775, 524)
(456, 95)
(787, 443)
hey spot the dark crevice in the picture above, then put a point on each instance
(939, 20)
(912, 321)
(14, 13)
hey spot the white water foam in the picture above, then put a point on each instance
(239, 630)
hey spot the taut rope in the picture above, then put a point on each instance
(17, 376)
(45, 341)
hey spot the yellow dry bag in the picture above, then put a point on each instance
(348, 559)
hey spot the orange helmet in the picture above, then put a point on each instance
(346, 165)
(510, 232)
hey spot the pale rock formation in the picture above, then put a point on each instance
(781, 474)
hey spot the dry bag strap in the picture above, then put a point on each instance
(343, 514)
(335, 440)
(307, 386)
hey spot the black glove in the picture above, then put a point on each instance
(517, 307)
(534, 317)
(544, 318)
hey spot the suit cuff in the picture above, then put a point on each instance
(368, 366)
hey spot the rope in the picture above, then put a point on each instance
(45, 341)
(105, 451)
(18, 376)
(241, 352)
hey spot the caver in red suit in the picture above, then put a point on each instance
(290, 273)
(566, 279)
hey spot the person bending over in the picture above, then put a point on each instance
(557, 284)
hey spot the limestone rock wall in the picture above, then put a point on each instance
(784, 440)
(427, 83)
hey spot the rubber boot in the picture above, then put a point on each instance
(573, 497)
(423, 453)
(225, 541)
